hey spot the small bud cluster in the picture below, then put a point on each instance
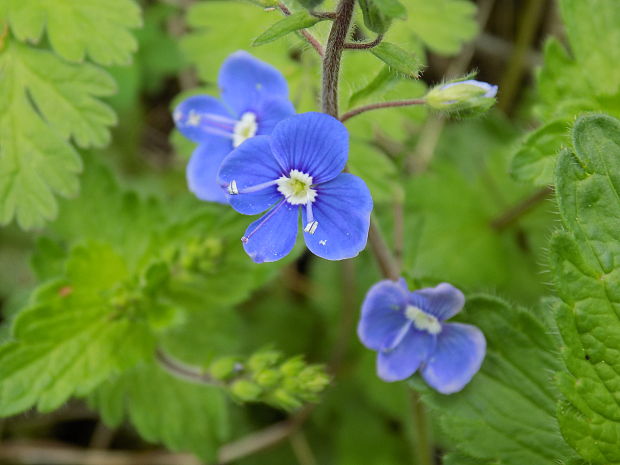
(201, 255)
(266, 377)
(468, 98)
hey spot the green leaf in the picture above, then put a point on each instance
(535, 157)
(44, 102)
(71, 338)
(585, 261)
(398, 59)
(594, 36)
(181, 415)
(378, 14)
(507, 413)
(443, 25)
(296, 21)
(97, 28)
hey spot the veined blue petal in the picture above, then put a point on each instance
(442, 301)
(403, 361)
(203, 167)
(271, 112)
(383, 317)
(203, 118)
(250, 165)
(313, 143)
(245, 81)
(457, 357)
(342, 209)
(273, 236)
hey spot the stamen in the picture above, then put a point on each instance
(232, 188)
(245, 239)
(311, 227)
(258, 187)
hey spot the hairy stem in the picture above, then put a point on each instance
(333, 55)
(364, 45)
(313, 41)
(377, 106)
(180, 370)
(387, 263)
(423, 450)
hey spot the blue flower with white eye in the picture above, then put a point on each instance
(254, 99)
(409, 332)
(299, 167)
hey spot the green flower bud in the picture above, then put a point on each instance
(283, 399)
(246, 391)
(292, 367)
(462, 96)
(268, 378)
(313, 379)
(224, 368)
(263, 359)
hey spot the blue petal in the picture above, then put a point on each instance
(383, 319)
(215, 121)
(202, 170)
(251, 164)
(442, 301)
(245, 81)
(342, 209)
(271, 112)
(273, 236)
(406, 358)
(313, 143)
(457, 358)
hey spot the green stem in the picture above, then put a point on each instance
(423, 451)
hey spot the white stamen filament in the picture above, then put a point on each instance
(422, 320)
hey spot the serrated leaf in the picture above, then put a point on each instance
(98, 29)
(443, 25)
(378, 14)
(71, 339)
(296, 21)
(535, 158)
(507, 413)
(44, 102)
(585, 261)
(398, 59)
(181, 415)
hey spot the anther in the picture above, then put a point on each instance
(311, 227)
(245, 239)
(232, 188)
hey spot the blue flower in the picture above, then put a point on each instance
(408, 331)
(254, 100)
(299, 168)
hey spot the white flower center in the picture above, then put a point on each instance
(296, 188)
(422, 320)
(245, 128)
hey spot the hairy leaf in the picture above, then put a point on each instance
(506, 415)
(398, 59)
(98, 29)
(182, 415)
(296, 21)
(586, 265)
(73, 337)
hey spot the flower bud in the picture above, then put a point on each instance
(285, 400)
(462, 96)
(292, 367)
(246, 391)
(268, 378)
(313, 379)
(263, 359)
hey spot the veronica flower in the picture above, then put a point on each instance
(254, 98)
(299, 167)
(409, 332)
